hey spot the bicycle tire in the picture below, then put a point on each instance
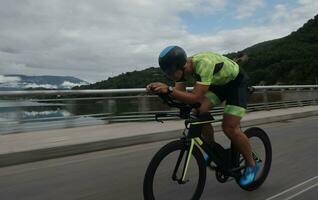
(261, 134)
(160, 155)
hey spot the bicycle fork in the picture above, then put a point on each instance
(183, 179)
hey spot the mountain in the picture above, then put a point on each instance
(289, 60)
(135, 79)
(18, 82)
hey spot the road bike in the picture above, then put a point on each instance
(179, 167)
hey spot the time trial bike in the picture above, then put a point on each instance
(180, 166)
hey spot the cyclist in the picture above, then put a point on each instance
(217, 79)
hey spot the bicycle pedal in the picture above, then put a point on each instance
(212, 167)
(230, 179)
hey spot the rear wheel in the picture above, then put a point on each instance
(262, 153)
(163, 176)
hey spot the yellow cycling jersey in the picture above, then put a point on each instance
(213, 69)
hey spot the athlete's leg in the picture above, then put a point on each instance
(208, 102)
(231, 127)
(236, 104)
(207, 131)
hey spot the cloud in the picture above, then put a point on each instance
(306, 2)
(9, 79)
(246, 8)
(295, 17)
(234, 40)
(207, 6)
(86, 39)
(96, 39)
(67, 84)
(34, 85)
(280, 13)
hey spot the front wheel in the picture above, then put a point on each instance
(262, 153)
(163, 178)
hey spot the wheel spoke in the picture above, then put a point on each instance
(165, 171)
(242, 160)
(256, 157)
(261, 153)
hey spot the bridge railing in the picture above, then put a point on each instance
(22, 111)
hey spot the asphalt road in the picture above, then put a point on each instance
(118, 174)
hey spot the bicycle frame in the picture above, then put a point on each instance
(202, 145)
(195, 129)
(228, 163)
(193, 136)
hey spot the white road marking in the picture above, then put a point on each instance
(300, 192)
(294, 187)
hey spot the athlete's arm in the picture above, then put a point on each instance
(180, 86)
(196, 95)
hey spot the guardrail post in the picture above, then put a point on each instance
(143, 104)
(265, 98)
(283, 101)
(18, 116)
(299, 102)
(313, 98)
(69, 122)
(111, 108)
(316, 99)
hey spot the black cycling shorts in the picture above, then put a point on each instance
(234, 93)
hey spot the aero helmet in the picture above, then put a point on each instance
(171, 59)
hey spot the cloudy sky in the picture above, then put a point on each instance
(95, 39)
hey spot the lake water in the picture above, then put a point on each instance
(30, 115)
(21, 116)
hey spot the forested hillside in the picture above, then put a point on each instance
(289, 60)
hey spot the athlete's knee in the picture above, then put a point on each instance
(203, 109)
(231, 130)
(206, 105)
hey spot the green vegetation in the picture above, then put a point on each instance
(135, 79)
(289, 60)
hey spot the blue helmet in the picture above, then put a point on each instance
(171, 59)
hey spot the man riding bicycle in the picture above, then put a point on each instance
(217, 79)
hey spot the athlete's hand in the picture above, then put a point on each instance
(157, 87)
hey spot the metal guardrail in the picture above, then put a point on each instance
(308, 95)
(127, 91)
(70, 92)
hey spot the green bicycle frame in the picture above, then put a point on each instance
(198, 142)
(194, 141)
